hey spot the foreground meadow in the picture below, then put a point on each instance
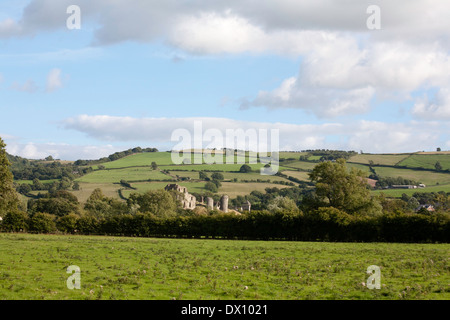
(34, 267)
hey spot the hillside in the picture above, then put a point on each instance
(142, 171)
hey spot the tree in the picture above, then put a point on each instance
(161, 203)
(8, 196)
(59, 203)
(100, 206)
(76, 186)
(154, 165)
(43, 223)
(203, 176)
(342, 189)
(438, 166)
(217, 176)
(37, 184)
(282, 204)
(438, 149)
(15, 221)
(245, 168)
(210, 186)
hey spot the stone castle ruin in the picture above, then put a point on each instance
(188, 201)
(221, 205)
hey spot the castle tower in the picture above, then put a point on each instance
(224, 203)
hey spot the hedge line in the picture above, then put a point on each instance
(256, 226)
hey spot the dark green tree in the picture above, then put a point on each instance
(438, 166)
(245, 168)
(161, 203)
(210, 186)
(217, 176)
(8, 197)
(342, 189)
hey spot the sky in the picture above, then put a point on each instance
(370, 76)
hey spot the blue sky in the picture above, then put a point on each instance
(136, 71)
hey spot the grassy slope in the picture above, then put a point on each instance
(137, 167)
(34, 268)
(427, 161)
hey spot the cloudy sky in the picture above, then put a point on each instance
(330, 74)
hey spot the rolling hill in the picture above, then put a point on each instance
(136, 171)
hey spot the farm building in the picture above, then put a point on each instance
(401, 186)
(428, 207)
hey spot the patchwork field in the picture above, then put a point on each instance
(427, 161)
(429, 178)
(128, 174)
(136, 169)
(33, 267)
(378, 159)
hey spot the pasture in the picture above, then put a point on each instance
(33, 267)
(426, 161)
(378, 159)
(128, 174)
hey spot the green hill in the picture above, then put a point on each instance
(136, 170)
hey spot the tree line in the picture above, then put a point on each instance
(337, 207)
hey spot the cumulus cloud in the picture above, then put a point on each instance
(54, 81)
(61, 151)
(436, 108)
(370, 136)
(340, 78)
(29, 86)
(344, 64)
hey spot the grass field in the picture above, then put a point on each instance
(140, 160)
(429, 178)
(33, 267)
(234, 189)
(378, 159)
(427, 161)
(142, 187)
(128, 174)
(86, 189)
(301, 175)
(231, 167)
(397, 193)
(304, 165)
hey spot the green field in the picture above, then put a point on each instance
(142, 187)
(136, 169)
(301, 175)
(140, 160)
(429, 178)
(234, 189)
(304, 165)
(128, 174)
(33, 267)
(378, 159)
(165, 158)
(427, 161)
(397, 193)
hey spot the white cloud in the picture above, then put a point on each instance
(370, 136)
(340, 77)
(61, 151)
(29, 86)
(437, 108)
(9, 28)
(54, 81)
